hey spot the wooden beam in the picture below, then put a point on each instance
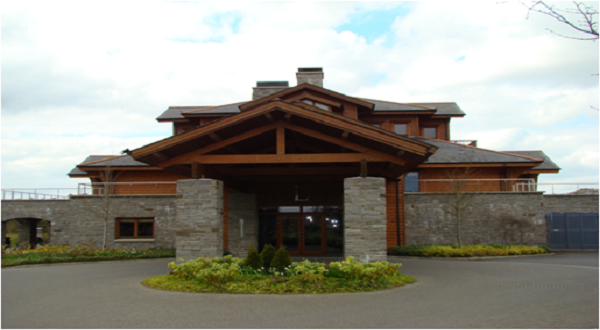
(279, 171)
(269, 117)
(288, 117)
(279, 159)
(280, 140)
(214, 136)
(188, 156)
(345, 144)
(197, 170)
(161, 157)
(345, 135)
(363, 168)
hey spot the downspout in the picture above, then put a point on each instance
(398, 214)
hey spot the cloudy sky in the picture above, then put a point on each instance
(90, 77)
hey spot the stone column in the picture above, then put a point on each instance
(199, 219)
(365, 219)
(27, 232)
(242, 206)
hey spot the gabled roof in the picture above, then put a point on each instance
(454, 153)
(547, 163)
(306, 86)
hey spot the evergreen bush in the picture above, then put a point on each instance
(267, 255)
(281, 260)
(253, 258)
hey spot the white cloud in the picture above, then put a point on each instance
(81, 78)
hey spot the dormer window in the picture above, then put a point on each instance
(401, 129)
(317, 104)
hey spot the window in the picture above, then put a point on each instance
(430, 132)
(135, 228)
(411, 182)
(401, 129)
(316, 104)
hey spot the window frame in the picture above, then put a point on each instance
(432, 127)
(398, 124)
(314, 104)
(135, 228)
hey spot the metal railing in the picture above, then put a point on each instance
(555, 188)
(36, 193)
(127, 188)
(469, 185)
(472, 143)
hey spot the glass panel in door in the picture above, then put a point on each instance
(312, 233)
(290, 232)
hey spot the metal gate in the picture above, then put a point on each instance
(572, 231)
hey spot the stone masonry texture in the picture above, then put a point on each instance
(486, 218)
(242, 206)
(199, 225)
(365, 219)
(570, 203)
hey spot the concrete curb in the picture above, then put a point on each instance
(474, 258)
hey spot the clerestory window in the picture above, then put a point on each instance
(317, 104)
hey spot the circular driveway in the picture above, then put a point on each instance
(558, 291)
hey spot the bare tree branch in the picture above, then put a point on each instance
(580, 18)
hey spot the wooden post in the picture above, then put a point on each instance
(363, 168)
(280, 140)
(197, 170)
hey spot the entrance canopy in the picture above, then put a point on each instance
(307, 136)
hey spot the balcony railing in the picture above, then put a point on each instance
(127, 188)
(498, 185)
(37, 193)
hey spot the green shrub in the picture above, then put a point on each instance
(226, 253)
(546, 248)
(281, 260)
(479, 250)
(253, 258)
(267, 255)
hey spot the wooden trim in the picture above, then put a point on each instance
(284, 92)
(288, 158)
(119, 168)
(184, 158)
(345, 144)
(533, 171)
(306, 95)
(269, 171)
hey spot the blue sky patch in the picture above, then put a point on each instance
(461, 58)
(374, 24)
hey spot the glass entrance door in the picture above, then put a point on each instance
(302, 230)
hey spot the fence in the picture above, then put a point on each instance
(36, 193)
(552, 188)
(127, 188)
(467, 185)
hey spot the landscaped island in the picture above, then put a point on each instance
(280, 276)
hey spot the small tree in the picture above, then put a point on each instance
(105, 190)
(253, 258)
(460, 200)
(281, 260)
(267, 255)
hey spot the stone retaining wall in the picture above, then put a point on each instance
(486, 218)
(570, 203)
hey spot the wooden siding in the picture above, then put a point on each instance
(459, 173)
(392, 221)
(441, 125)
(146, 176)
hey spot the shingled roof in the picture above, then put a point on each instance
(106, 160)
(547, 164)
(454, 153)
(441, 109)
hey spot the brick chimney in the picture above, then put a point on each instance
(313, 76)
(266, 88)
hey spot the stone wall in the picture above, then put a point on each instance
(242, 206)
(570, 203)
(80, 220)
(487, 218)
(365, 219)
(199, 231)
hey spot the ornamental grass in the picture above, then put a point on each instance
(478, 250)
(82, 252)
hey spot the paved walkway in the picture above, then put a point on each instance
(530, 292)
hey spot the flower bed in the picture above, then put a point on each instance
(80, 253)
(231, 275)
(479, 250)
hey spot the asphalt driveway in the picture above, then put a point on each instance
(529, 292)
